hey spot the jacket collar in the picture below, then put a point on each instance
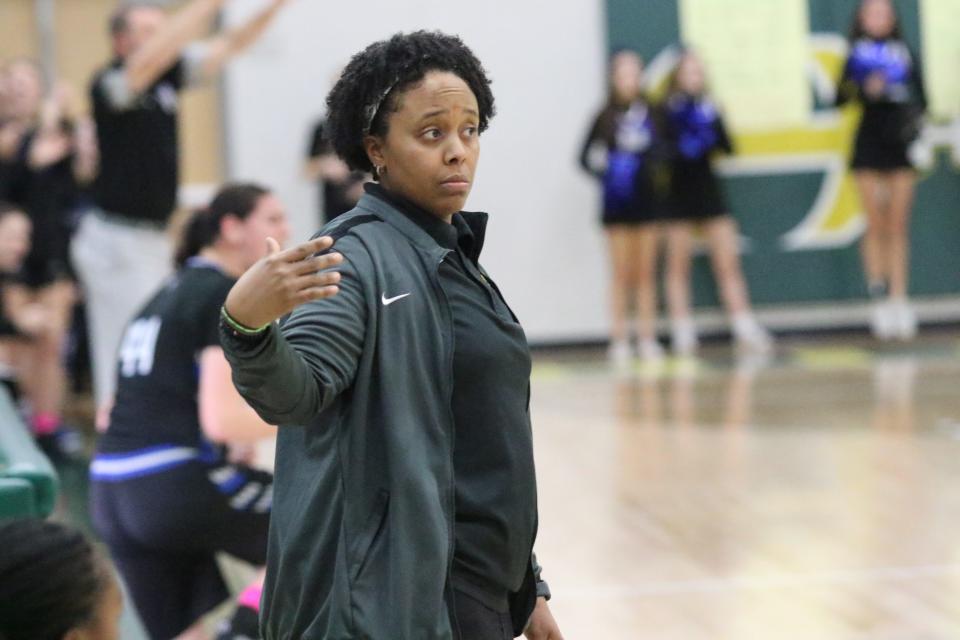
(423, 229)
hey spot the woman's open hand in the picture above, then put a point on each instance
(282, 281)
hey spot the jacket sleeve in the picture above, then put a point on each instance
(543, 589)
(296, 370)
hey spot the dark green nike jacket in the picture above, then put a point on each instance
(362, 527)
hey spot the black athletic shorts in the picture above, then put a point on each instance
(164, 530)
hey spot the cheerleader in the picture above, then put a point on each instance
(690, 134)
(883, 75)
(617, 152)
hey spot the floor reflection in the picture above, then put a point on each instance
(810, 496)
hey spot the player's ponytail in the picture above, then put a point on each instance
(198, 232)
(203, 227)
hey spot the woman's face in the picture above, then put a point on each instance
(877, 18)
(267, 220)
(15, 231)
(690, 75)
(626, 74)
(432, 145)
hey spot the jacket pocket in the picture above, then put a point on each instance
(372, 530)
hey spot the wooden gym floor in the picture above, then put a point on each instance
(815, 496)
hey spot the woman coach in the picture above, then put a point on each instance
(405, 494)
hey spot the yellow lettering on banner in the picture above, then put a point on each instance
(756, 54)
(940, 27)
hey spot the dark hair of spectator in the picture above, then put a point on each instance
(7, 208)
(203, 227)
(51, 580)
(856, 25)
(374, 81)
(119, 19)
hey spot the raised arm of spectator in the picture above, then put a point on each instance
(234, 41)
(160, 52)
(86, 152)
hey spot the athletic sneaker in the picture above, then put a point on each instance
(242, 626)
(683, 337)
(619, 353)
(650, 351)
(63, 446)
(750, 336)
(903, 319)
(883, 320)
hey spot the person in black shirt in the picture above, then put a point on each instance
(884, 75)
(405, 485)
(121, 251)
(617, 152)
(690, 133)
(16, 322)
(166, 493)
(57, 158)
(340, 187)
(21, 96)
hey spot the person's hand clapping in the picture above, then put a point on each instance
(282, 281)
(34, 320)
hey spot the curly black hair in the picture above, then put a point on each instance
(373, 82)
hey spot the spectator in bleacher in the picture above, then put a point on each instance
(55, 585)
(21, 93)
(122, 251)
(55, 160)
(14, 247)
(340, 188)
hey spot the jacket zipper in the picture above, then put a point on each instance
(448, 389)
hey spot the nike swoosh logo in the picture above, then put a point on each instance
(389, 301)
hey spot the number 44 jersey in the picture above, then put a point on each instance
(158, 364)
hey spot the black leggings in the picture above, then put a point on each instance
(164, 531)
